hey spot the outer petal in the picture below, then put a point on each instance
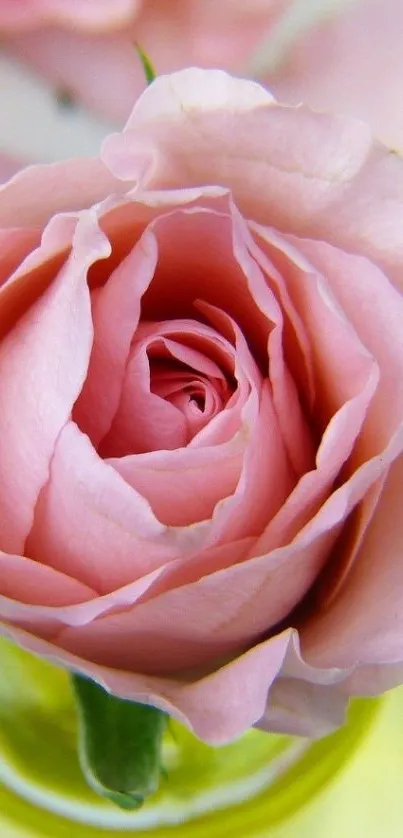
(91, 524)
(33, 583)
(217, 615)
(305, 700)
(204, 127)
(313, 488)
(35, 194)
(17, 14)
(43, 363)
(218, 707)
(41, 617)
(363, 624)
(303, 708)
(240, 603)
(375, 310)
(16, 244)
(202, 622)
(347, 377)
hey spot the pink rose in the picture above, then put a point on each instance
(201, 381)
(81, 48)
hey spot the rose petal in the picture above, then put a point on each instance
(185, 571)
(215, 616)
(90, 524)
(305, 700)
(214, 274)
(144, 421)
(36, 584)
(185, 485)
(375, 309)
(203, 622)
(213, 91)
(363, 624)
(248, 143)
(115, 313)
(160, 422)
(37, 193)
(265, 480)
(233, 606)
(297, 348)
(294, 427)
(42, 617)
(347, 380)
(303, 709)
(43, 363)
(258, 495)
(16, 244)
(312, 489)
(218, 707)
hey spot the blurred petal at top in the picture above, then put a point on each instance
(8, 167)
(65, 41)
(95, 15)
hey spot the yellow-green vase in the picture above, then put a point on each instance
(262, 785)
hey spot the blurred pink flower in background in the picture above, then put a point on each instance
(101, 68)
(96, 16)
(351, 62)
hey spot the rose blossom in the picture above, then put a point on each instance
(201, 380)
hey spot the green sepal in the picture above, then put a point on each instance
(148, 68)
(119, 744)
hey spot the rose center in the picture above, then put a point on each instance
(175, 385)
(195, 394)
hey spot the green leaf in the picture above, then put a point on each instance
(120, 744)
(148, 68)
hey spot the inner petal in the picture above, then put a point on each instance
(196, 398)
(144, 421)
(116, 308)
(172, 389)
